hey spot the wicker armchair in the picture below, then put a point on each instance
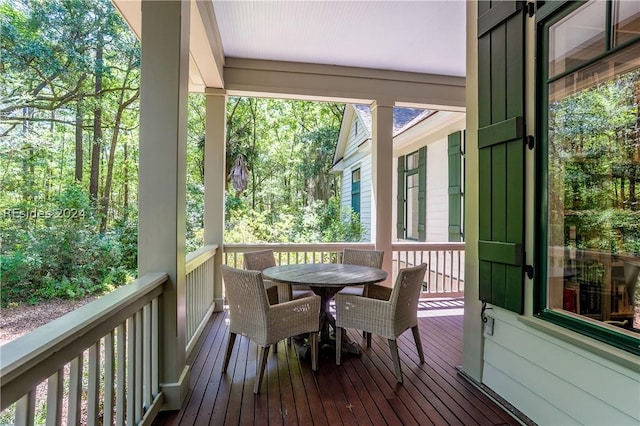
(251, 315)
(263, 259)
(387, 312)
(372, 258)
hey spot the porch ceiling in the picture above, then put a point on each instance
(415, 36)
(408, 41)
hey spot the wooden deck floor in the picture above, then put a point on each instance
(363, 390)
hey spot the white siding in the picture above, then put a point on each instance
(366, 189)
(554, 382)
(438, 191)
(434, 135)
(354, 159)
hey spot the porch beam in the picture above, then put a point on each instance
(214, 181)
(382, 171)
(162, 178)
(293, 80)
(206, 57)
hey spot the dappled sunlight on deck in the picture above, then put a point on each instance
(363, 390)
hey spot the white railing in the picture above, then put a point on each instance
(291, 253)
(95, 365)
(199, 269)
(445, 266)
(445, 261)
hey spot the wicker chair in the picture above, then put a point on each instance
(251, 315)
(263, 259)
(372, 258)
(387, 312)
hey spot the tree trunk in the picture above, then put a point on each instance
(125, 172)
(79, 151)
(97, 127)
(112, 149)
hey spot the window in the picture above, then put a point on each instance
(355, 190)
(590, 162)
(412, 196)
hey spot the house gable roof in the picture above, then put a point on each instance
(403, 119)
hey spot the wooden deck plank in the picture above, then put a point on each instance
(442, 365)
(361, 391)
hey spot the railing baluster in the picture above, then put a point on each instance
(131, 377)
(75, 389)
(146, 351)
(55, 391)
(93, 390)
(155, 383)
(121, 356)
(26, 409)
(139, 338)
(109, 352)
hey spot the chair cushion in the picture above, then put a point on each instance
(299, 294)
(353, 289)
(272, 295)
(379, 292)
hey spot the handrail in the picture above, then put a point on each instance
(294, 247)
(198, 257)
(407, 246)
(32, 358)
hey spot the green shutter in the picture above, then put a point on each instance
(422, 194)
(455, 186)
(501, 152)
(400, 199)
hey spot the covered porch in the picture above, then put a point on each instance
(150, 347)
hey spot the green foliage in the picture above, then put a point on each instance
(319, 222)
(57, 253)
(56, 241)
(594, 166)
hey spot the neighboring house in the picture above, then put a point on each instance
(428, 147)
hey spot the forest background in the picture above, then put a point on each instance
(70, 86)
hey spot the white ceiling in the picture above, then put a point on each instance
(424, 36)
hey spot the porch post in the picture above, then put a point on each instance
(473, 339)
(382, 171)
(162, 178)
(214, 181)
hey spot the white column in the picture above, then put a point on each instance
(382, 171)
(214, 181)
(473, 340)
(162, 173)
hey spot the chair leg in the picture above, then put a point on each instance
(338, 345)
(262, 357)
(230, 341)
(368, 336)
(416, 337)
(393, 347)
(314, 351)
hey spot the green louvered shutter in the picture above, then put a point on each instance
(455, 186)
(501, 149)
(400, 199)
(422, 194)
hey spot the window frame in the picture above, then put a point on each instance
(548, 15)
(358, 192)
(408, 173)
